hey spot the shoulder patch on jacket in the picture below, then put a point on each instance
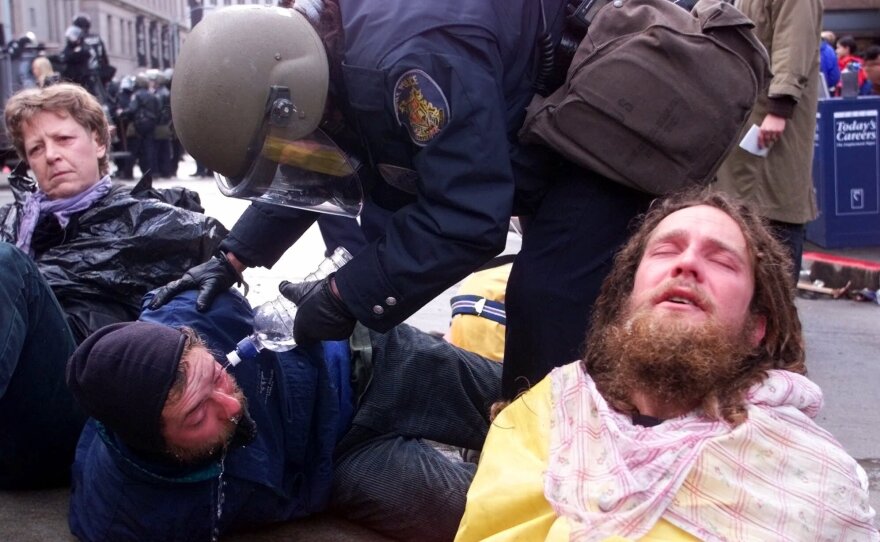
(420, 106)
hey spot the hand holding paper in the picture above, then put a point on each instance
(749, 142)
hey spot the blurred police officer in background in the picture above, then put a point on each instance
(22, 52)
(85, 58)
(124, 146)
(415, 112)
(143, 112)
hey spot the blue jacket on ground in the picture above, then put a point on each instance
(301, 403)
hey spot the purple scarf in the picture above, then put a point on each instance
(36, 205)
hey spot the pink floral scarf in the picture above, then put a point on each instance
(778, 476)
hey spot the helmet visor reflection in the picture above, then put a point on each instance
(310, 173)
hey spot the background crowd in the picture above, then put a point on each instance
(138, 106)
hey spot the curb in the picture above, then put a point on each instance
(836, 271)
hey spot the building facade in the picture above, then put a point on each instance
(860, 18)
(138, 34)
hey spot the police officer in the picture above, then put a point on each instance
(125, 146)
(22, 53)
(85, 58)
(163, 132)
(143, 113)
(176, 147)
(421, 108)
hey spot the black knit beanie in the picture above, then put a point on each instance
(121, 376)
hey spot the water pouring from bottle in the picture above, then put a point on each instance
(273, 320)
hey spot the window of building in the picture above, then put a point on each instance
(111, 37)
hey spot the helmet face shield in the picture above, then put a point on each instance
(252, 118)
(310, 173)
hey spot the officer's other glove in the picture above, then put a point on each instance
(321, 314)
(210, 278)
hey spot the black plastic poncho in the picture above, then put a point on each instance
(107, 257)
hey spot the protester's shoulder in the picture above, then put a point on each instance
(122, 194)
(140, 210)
(530, 411)
(113, 460)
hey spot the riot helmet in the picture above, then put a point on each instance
(250, 87)
(141, 80)
(83, 22)
(73, 34)
(127, 83)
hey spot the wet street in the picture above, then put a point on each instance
(843, 357)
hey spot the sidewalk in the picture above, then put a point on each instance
(853, 269)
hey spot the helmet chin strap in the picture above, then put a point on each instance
(310, 8)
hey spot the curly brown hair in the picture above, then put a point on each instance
(782, 346)
(63, 98)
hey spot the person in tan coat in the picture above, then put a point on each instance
(780, 185)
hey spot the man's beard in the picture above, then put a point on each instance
(238, 431)
(677, 364)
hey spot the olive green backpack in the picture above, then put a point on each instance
(655, 96)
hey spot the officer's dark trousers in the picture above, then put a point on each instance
(162, 157)
(143, 149)
(39, 419)
(567, 250)
(387, 476)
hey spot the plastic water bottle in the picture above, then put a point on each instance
(273, 320)
(849, 80)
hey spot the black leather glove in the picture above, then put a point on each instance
(321, 314)
(210, 278)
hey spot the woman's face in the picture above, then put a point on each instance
(62, 153)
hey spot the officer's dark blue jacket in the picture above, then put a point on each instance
(437, 91)
(301, 403)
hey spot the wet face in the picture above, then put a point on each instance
(696, 270)
(202, 419)
(62, 154)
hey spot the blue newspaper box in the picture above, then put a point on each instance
(846, 173)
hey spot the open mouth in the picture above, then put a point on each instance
(684, 297)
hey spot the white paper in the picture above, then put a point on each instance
(750, 142)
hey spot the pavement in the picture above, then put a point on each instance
(843, 353)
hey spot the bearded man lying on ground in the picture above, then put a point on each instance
(689, 417)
